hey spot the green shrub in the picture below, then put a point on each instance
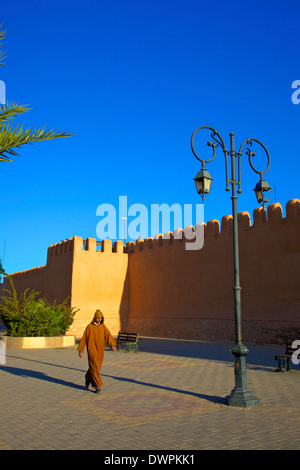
(28, 315)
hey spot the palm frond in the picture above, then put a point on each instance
(2, 36)
(10, 111)
(2, 33)
(11, 138)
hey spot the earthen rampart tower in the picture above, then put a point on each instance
(157, 287)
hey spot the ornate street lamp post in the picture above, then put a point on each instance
(240, 395)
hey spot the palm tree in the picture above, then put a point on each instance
(14, 137)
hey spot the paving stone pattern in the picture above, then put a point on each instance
(170, 395)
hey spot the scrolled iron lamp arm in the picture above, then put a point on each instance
(252, 154)
(262, 186)
(218, 141)
(210, 144)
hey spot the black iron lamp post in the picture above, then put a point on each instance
(240, 395)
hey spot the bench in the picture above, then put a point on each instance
(128, 341)
(283, 360)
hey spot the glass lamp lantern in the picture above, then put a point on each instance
(203, 182)
(262, 192)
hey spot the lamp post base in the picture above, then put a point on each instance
(242, 398)
(240, 395)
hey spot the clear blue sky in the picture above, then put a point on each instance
(133, 79)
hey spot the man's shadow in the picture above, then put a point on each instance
(39, 375)
(42, 376)
(213, 398)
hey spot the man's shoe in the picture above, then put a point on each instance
(98, 390)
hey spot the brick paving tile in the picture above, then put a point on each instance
(171, 395)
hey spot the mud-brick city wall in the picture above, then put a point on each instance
(99, 282)
(88, 277)
(92, 279)
(189, 294)
(159, 288)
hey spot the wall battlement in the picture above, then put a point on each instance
(159, 287)
(180, 293)
(77, 244)
(60, 248)
(33, 272)
(213, 229)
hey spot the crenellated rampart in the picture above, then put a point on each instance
(33, 278)
(189, 294)
(99, 280)
(161, 287)
(33, 272)
(213, 228)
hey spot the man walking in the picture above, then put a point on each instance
(94, 338)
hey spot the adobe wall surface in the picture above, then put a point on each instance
(159, 288)
(31, 278)
(91, 280)
(58, 273)
(99, 282)
(189, 294)
(52, 281)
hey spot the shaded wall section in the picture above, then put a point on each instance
(189, 294)
(32, 278)
(157, 287)
(91, 280)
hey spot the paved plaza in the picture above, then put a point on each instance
(168, 396)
